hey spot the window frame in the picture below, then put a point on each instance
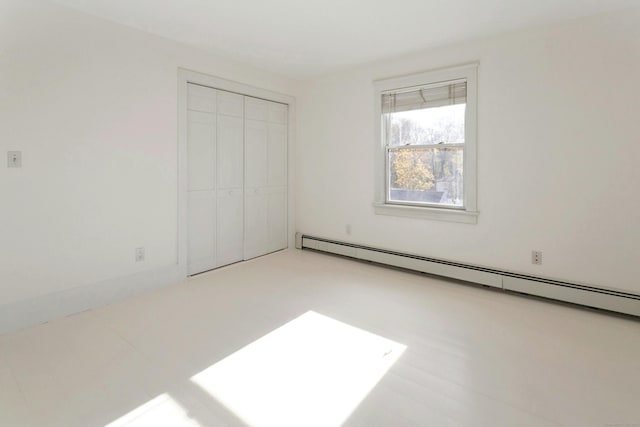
(468, 212)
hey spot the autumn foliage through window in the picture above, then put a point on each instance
(425, 136)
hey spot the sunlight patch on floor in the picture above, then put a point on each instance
(312, 371)
(160, 411)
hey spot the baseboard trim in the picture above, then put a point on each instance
(575, 293)
(22, 314)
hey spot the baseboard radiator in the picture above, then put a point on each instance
(590, 296)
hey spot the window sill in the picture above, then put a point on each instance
(451, 215)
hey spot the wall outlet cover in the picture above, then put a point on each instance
(14, 159)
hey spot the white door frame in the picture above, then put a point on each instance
(188, 76)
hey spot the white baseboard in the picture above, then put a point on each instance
(41, 309)
(587, 295)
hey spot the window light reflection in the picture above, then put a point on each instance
(312, 371)
(160, 411)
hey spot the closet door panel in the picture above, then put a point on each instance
(230, 104)
(256, 109)
(200, 98)
(201, 231)
(256, 223)
(230, 152)
(230, 227)
(256, 137)
(277, 219)
(265, 177)
(277, 113)
(201, 150)
(277, 155)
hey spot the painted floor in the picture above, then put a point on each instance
(300, 339)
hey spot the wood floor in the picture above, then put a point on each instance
(301, 338)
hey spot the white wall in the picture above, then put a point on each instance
(559, 146)
(93, 107)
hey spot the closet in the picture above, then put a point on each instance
(236, 179)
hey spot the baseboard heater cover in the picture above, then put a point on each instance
(585, 295)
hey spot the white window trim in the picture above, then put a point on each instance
(469, 214)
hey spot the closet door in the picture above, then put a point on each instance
(256, 202)
(230, 178)
(277, 178)
(201, 185)
(237, 178)
(265, 177)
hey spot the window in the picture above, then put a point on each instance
(426, 148)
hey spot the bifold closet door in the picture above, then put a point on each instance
(201, 179)
(237, 178)
(265, 166)
(230, 179)
(215, 178)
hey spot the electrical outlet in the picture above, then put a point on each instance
(348, 229)
(14, 159)
(139, 254)
(536, 257)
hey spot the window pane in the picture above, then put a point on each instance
(426, 175)
(439, 125)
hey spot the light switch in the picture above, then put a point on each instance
(14, 159)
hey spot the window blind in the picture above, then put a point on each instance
(438, 95)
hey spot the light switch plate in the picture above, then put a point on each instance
(14, 159)
(139, 254)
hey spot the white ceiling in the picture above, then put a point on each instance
(302, 38)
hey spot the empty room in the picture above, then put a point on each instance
(319, 214)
